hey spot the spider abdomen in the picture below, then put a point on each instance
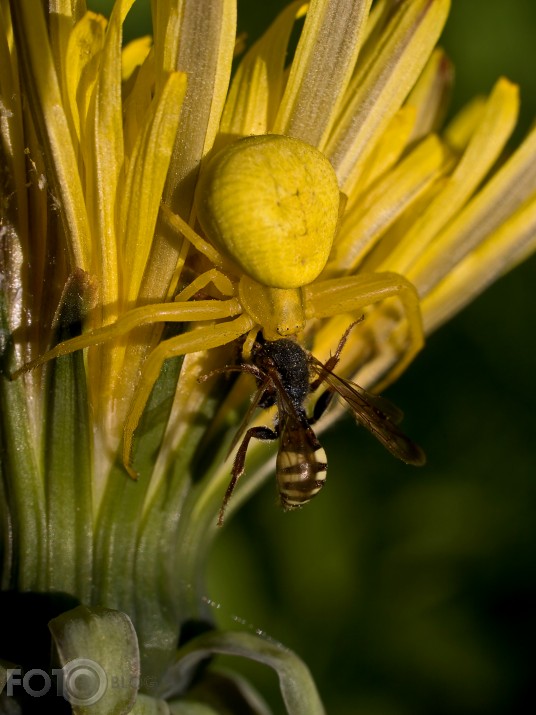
(271, 203)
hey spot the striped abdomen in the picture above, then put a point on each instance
(301, 474)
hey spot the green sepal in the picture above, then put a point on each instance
(67, 462)
(22, 498)
(145, 705)
(4, 667)
(117, 546)
(227, 692)
(186, 708)
(97, 649)
(298, 690)
(9, 705)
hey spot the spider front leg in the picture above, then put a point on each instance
(328, 298)
(197, 340)
(158, 313)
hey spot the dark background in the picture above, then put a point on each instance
(405, 590)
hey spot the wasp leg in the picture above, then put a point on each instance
(321, 406)
(262, 433)
(325, 398)
(334, 359)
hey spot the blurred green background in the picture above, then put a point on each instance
(405, 590)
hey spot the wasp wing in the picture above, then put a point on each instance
(375, 413)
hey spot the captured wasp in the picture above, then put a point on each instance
(283, 371)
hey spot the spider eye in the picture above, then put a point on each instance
(271, 203)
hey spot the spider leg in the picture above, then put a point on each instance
(178, 224)
(353, 293)
(157, 313)
(203, 338)
(219, 279)
(262, 433)
(249, 342)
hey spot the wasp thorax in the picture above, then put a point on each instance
(271, 203)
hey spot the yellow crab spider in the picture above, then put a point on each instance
(270, 207)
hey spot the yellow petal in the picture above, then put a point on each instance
(138, 93)
(85, 42)
(502, 196)
(62, 16)
(513, 241)
(134, 55)
(431, 94)
(34, 50)
(145, 181)
(379, 15)
(104, 162)
(370, 217)
(483, 150)
(388, 151)
(382, 83)
(321, 69)
(11, 127)
(167, 15)
(204, 51)
(461, 128)
(257, 85)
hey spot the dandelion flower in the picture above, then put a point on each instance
(96, 138)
